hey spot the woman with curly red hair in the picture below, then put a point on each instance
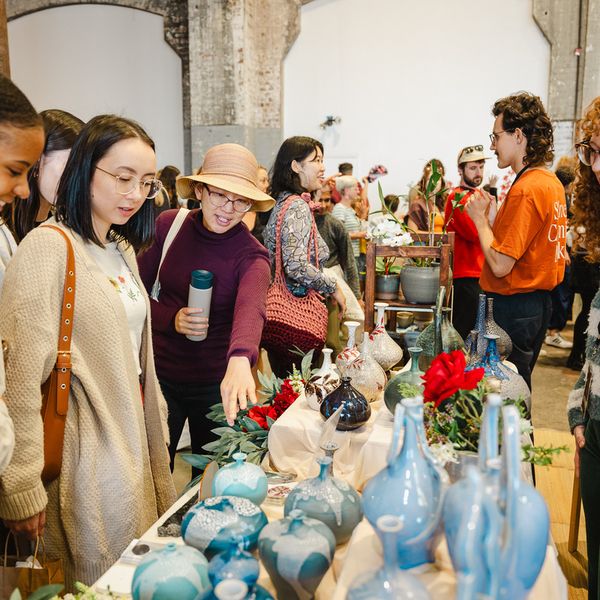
(584, 401)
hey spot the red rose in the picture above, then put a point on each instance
(259, 414)
(447, 375)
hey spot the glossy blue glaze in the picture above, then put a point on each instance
(329, 500)
(242, 479)
(296, 552)
(411, 487)
(234, 563)
(173, 572)
(210, 524)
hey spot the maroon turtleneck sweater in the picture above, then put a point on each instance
(241, 270)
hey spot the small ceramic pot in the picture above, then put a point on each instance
(241, 479)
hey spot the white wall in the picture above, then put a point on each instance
(92, 59)
(410, 79)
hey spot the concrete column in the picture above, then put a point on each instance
(4, 58)
(236, 55)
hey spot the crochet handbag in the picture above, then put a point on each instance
(293, 322)
(55, 391)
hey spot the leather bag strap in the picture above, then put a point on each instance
(63, 357)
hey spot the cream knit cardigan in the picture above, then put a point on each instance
(115, 479)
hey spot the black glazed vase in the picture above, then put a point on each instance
(356, 411)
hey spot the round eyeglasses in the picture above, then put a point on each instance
(126, 184)
(587, 155)
(219, 200)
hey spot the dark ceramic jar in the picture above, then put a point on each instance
(356, 409)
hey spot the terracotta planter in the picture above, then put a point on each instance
(387, 286)
(420, 285)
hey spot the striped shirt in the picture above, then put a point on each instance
(351, 222)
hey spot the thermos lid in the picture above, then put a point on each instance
(202, 280)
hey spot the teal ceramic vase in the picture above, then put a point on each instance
(242, 479)
(296, 551)
(173, 572)
(329, 500)
(210, 525)
(405, 384)
(234, 563)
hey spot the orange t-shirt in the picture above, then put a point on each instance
(531, 227)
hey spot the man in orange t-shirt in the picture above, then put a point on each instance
(525, 250)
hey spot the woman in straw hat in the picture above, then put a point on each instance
(298, 171)
(196, 374)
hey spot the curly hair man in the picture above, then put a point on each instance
(525, 249)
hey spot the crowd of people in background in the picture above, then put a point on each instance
(137, 234)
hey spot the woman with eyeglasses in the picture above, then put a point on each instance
(114, 480)
(298, 172)
(24, 214)
(197, 374)
(584, 401)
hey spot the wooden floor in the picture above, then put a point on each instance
(556, 485)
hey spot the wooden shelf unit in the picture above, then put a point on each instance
(442, 250)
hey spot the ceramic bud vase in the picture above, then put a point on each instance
(210, 524)
(329, 500)
(527, 521)
(476, 336)
(405, 384)
(367, 375)
(410, 487)
(356, 408)
(242, 479)
(173, 572)
(296, 551)
(503, 379)
(450, 339)
(323, 381)
(390, 582)
(350, 353)
(492, 328)
(383, 348)
(471, 349)
(234, 563)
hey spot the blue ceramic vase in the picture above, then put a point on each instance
(329, 500)
(410, 487)
(390, 582)
(356, 411)
(236, 589)
(210, 524)
(173, 572)
(234, 563)
(242, 479)
(297, 552)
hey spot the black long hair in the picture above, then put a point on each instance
(283, 178)
(74, 196)
(61, 129)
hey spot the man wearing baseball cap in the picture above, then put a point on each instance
(468, 255)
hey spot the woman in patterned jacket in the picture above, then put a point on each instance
(298, 171)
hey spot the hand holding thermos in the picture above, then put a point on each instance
(192, 320)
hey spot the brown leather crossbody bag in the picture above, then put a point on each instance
(55, 391)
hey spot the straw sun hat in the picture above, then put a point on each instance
(232, 168)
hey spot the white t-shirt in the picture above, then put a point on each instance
(112, 263)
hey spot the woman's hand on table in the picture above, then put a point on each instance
(579, 433)
(237, 387)
(31, 528)
(188, 321)
(341, 301)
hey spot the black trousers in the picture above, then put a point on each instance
(590, 494)
(525, 318)
(466, 301)
(192, 402)
(580, 325)
(562, 301)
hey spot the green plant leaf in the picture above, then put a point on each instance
(16, 595)
(305, 365)
(196, 460)
(46, 592)
(250, 424)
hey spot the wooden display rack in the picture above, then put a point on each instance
(442, 250)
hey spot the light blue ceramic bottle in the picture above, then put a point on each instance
(242, 479)
(297, 552)
(234, 563)
(411, 487)
(329, 500)
(173, 572)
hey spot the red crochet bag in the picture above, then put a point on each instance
(292, 321)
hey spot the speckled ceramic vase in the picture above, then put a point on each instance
(383, 348)
(296, 551)
(329, 500)
(210, 524)
(367, 375)
(350, 353)
(242, 479)
(173, 572)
